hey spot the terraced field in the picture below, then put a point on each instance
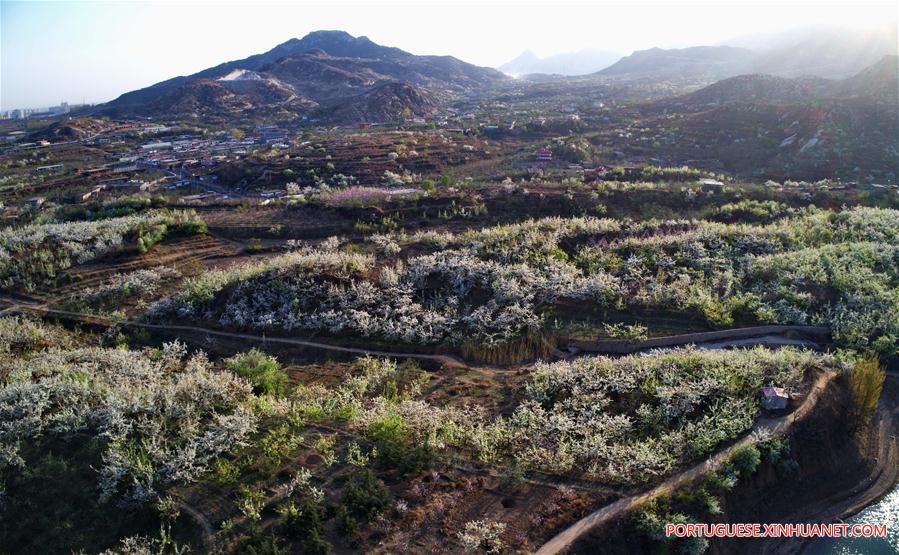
(183, 253)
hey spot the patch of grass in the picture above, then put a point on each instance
(527, 347)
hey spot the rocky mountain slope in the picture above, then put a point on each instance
(386, 102)
(877, 82)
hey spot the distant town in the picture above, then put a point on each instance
(52, 111)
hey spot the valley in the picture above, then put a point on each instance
(337, 297)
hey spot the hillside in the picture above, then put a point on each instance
(832, 53)
(877, 82)
(336, 297)
(756, 88)
(385, 103)
(779, 127)
(300, 76)
(68, 129)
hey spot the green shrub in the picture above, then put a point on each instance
(365, 495)
(259, 544)
(744, 461)
(251, 502)
(346, 524)
(651, 520)
(254, 245)
(303, 521)
(777, 452)
(148, 237)
(195, 227)
(224, 472)
(263, 371)
(634, 332)
(396, 449)
(277, 444)
(721, 481)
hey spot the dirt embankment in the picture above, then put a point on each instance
(840, 471)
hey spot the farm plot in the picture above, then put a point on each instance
(274, 221)
(368, 156)
(37, 254)
(139, 276)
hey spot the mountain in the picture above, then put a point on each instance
(569, 63)
(521, 65)
(834, 53)
(778, 127)
(68, 129)
(877, 82)
(755, 89)
(309, 76)
(704, 62)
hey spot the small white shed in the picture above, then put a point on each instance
(775, 398)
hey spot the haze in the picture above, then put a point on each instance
(73, 51)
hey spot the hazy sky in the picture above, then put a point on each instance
(69, 51)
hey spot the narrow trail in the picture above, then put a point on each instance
(768, 334)
(579, 529)
(447, 360)
(200, 518)
(765, 337)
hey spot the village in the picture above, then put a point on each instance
(148, 158)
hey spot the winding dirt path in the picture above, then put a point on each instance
(447, 360)
(567, 537)
(200, 518)
(745, 338)
(767, 334)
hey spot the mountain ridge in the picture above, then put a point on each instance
(836, 54)
(299, 76)
(708, 62)
(877, 82)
